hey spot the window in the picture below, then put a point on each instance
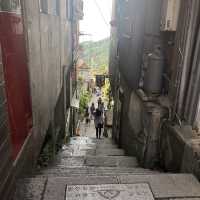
(44, 6)
(69, 9)
(56, 7)
(10, 5)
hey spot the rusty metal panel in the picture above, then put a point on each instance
(170, 12)
(193, 93)
(131, 36)
(183, 59)
(152, 25)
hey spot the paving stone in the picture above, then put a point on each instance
(111, 161)
(108, 191)
(105, 141)
(30, 189)
(55, 189)
(167, 185)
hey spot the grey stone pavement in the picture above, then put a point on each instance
(92, 169)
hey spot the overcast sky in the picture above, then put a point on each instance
(93, 22)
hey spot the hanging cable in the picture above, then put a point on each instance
(101, 13)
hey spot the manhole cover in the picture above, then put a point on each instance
(110, 192)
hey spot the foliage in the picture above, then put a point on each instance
(100, 70)
(106, 90)
(85, 98)
(96, 54)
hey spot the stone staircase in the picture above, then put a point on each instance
(89, 169)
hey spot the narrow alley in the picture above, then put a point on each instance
(74, 70)
(88, 168)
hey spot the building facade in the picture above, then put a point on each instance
(38, 44)
(154, 73)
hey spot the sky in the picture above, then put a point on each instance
(97, 15)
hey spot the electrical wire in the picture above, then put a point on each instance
(101, 13)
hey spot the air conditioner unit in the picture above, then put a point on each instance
(169, 15)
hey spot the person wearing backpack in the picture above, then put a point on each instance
(98, 121)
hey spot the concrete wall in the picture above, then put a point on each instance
(49, 46)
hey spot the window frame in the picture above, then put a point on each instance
(56, 7)
(43, 6)
(13, 6)
(69, 9)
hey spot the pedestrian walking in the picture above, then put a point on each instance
(101, 107)
(99, 101)
(87, 116)
(98, 121)
(92, 111)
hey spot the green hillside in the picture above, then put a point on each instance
(96, 54)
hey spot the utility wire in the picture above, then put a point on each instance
(101, 13)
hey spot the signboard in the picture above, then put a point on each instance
(100, 80)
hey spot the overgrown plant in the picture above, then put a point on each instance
(85, 98)
(107, 92)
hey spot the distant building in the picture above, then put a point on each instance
(83, 70)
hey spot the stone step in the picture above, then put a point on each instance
(110, 152)
(108, 171)
(92, 152)
(106, 146)
(97, 160)
(104, 141)
(111, 161)
(149, 187)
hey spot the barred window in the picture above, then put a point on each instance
(44, 6)
(10, 6)
(56, 7)
(69, 9)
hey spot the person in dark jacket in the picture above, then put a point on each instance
(98, 121)
(92, 111)
(87, 116)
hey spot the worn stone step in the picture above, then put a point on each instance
(104, 141)
(106, 146)
(92, 171)
(110, 152)
(101, 161)
(158, 186)
(92, 152)
(111, 161)
(82, 140)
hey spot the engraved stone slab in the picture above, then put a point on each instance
(110, 192)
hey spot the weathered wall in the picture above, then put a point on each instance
(140, 127)
(180, 149)
(135, 30)
(49, 51)
(131, 37)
